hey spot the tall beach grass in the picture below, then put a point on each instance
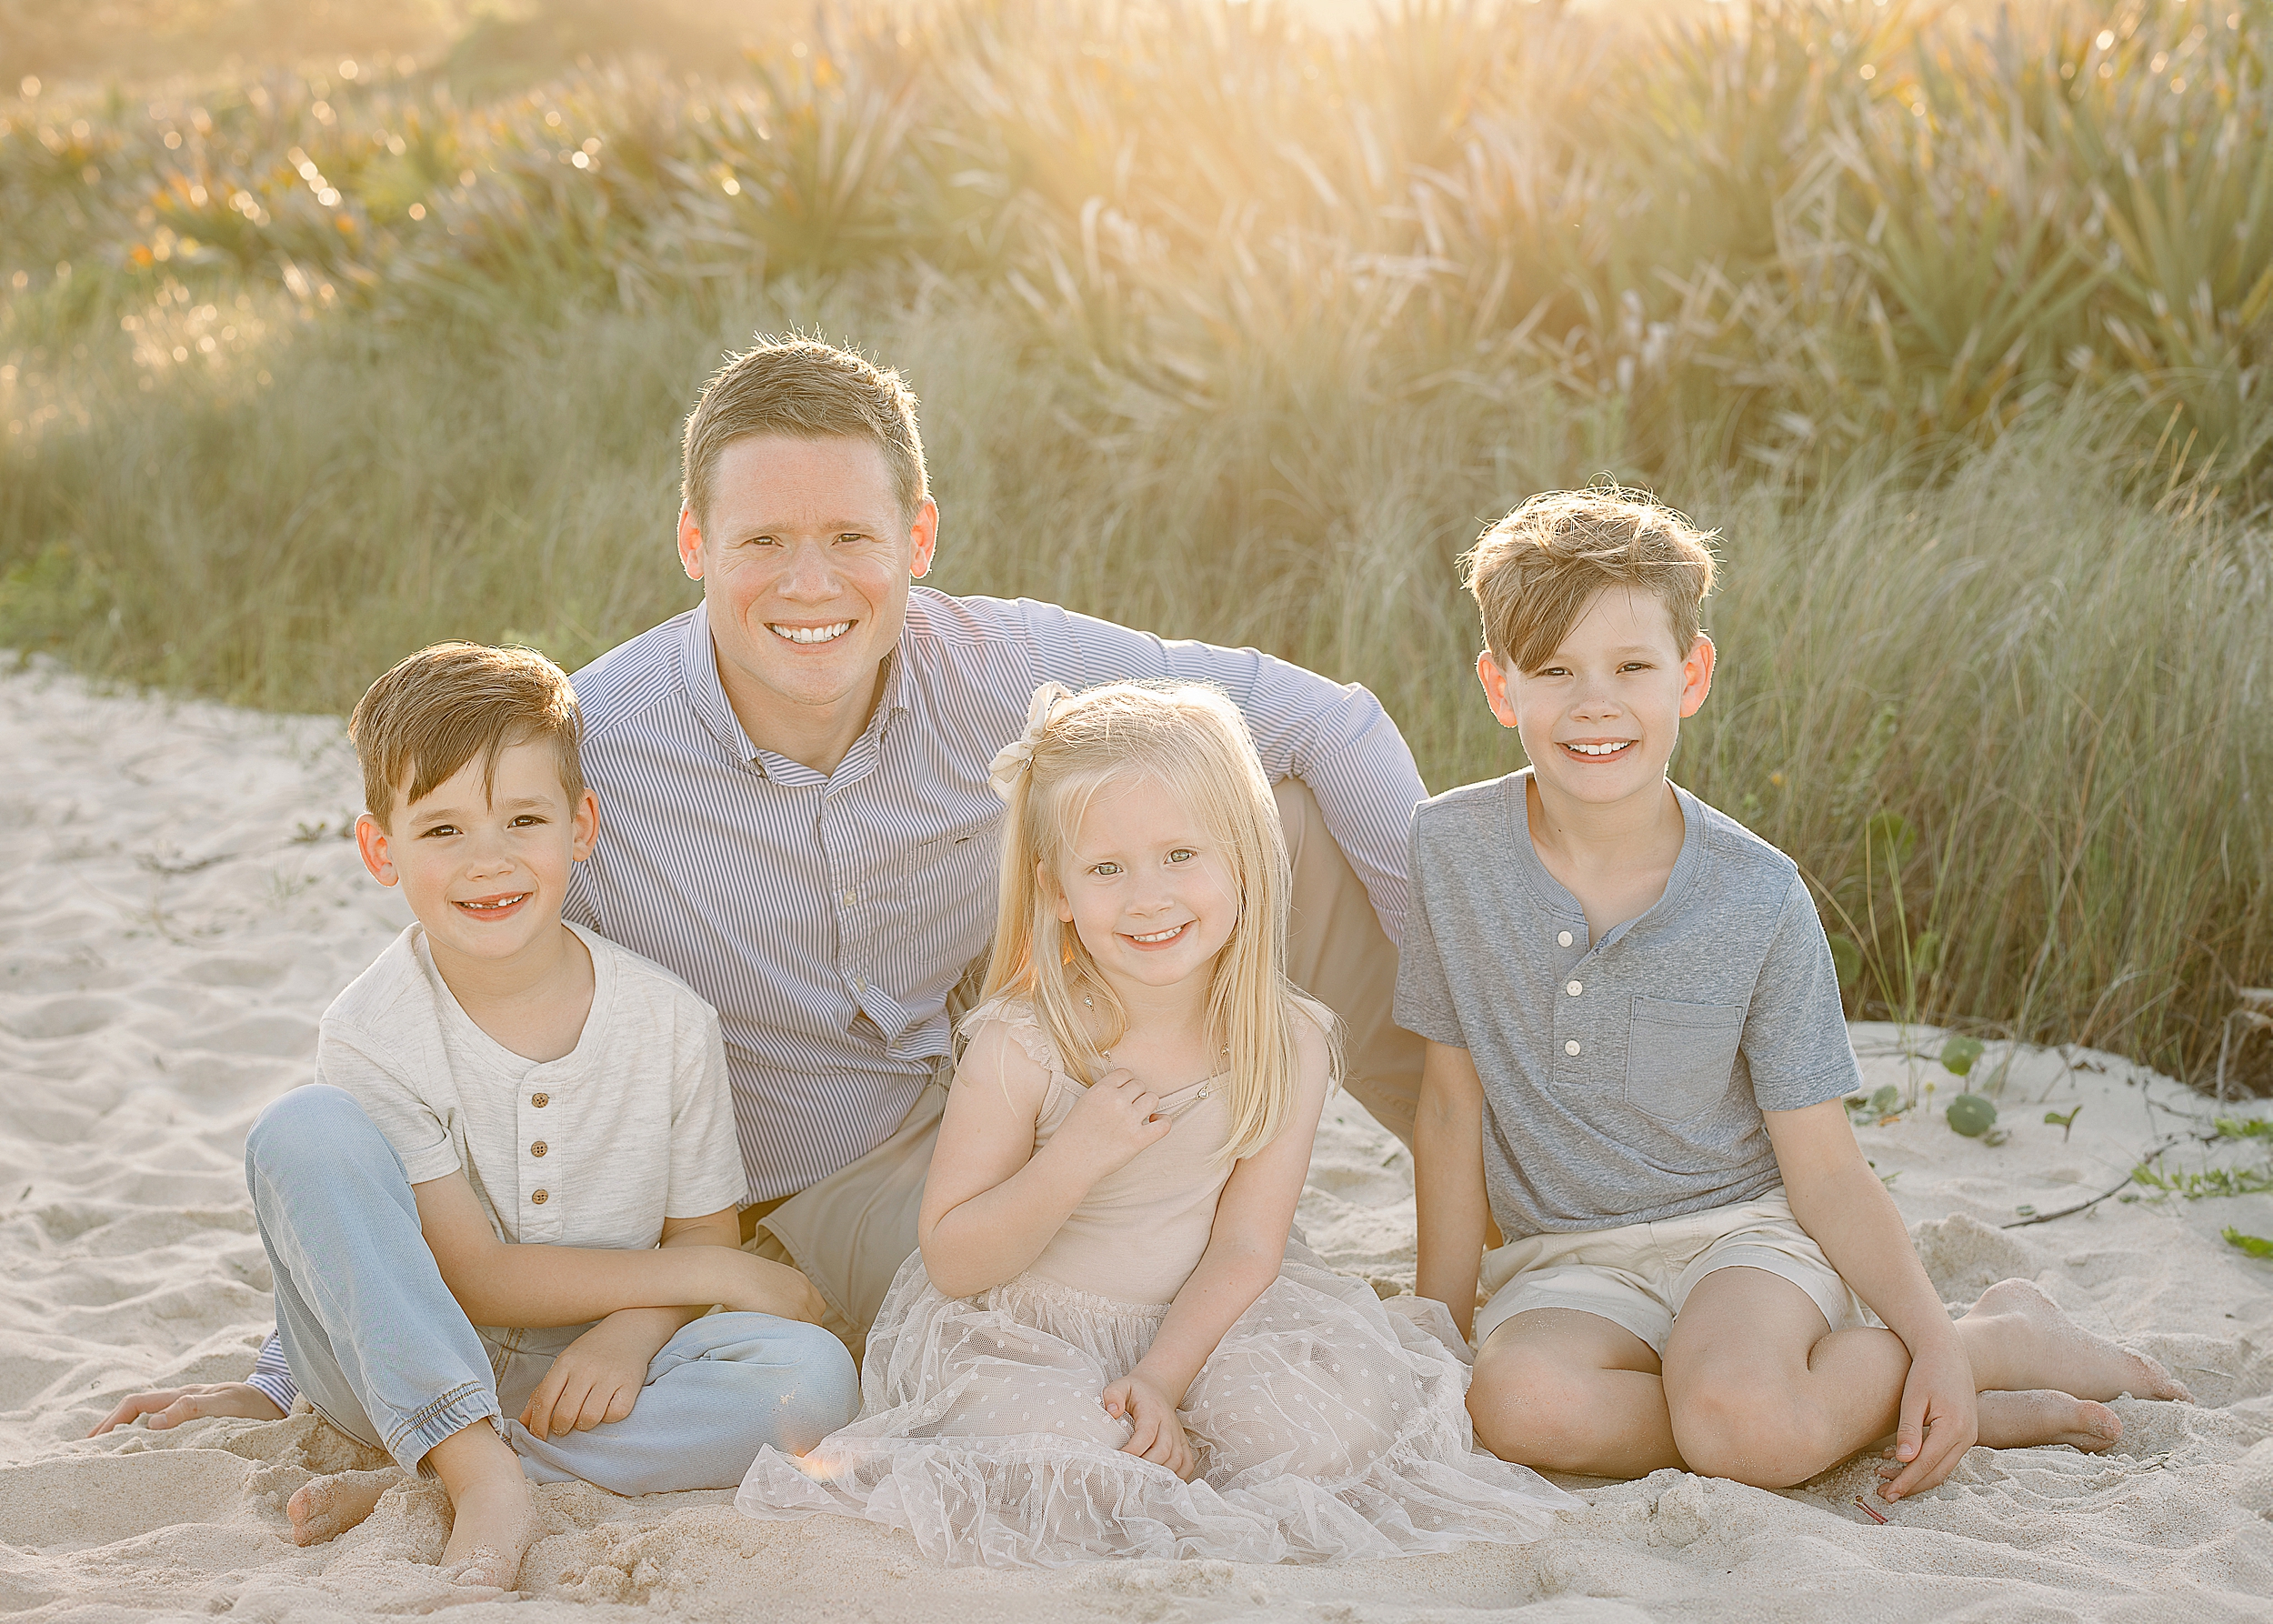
(1235, 330)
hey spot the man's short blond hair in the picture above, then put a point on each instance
(438, 709)
(1534, 572)
(809, 391)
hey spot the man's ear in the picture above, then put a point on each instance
(1697, 674)
(1490, 673)
(691, 544)
(924, 539)
(371, 844)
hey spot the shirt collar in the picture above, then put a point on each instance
(1560, 902)
(698, 666)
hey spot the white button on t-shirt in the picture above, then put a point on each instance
(1563, 938)
(1571, 1048)
(1572, 988)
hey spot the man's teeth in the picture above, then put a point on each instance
(812, 634)
(1611, 749)
(1159, 935)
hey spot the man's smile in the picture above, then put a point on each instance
(809, 634)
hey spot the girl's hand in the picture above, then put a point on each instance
(1157, 1433)
(1111, 1123)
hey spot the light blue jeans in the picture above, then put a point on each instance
(384, 1353)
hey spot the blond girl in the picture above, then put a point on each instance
(1107, 1345)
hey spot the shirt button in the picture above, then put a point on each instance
(1571, 1048)
(540, 1100)
(1563, 938)
(1572, 988)
(538, 1148)
(848, 896)
(539, 1198)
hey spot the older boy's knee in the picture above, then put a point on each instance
(1530, 1407)
(1741, 1429)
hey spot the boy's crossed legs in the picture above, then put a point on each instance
(1755, 1384)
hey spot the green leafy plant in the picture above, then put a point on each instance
(2257, 1246)
(1971, 1115)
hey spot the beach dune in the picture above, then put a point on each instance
(178, 904)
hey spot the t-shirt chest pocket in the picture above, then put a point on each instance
(1680, 1057)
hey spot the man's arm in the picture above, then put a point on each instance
(1841, 1204)
(1449, 1181)
(1336, 738)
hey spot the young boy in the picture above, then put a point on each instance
(509, 1116)
(1635, 1067)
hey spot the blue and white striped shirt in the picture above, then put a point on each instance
(828, 915)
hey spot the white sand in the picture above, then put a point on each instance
(172, 932)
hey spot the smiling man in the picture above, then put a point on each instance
(798, 821)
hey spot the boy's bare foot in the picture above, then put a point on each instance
(327, 1507)
(492, 1522)
(2019, 1342)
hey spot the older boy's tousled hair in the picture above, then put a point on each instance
(438, 709)
(1534, 572)
(809, 391)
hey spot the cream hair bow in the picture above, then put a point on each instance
(1014, 758)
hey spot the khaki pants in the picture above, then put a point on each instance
(850, 1233)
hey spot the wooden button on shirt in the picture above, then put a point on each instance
(598, 1147)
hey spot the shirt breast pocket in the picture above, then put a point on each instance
(1680, 1057)
(947, 883)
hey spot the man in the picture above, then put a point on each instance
(797, 819)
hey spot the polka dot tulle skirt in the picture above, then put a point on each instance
(1328, 1423)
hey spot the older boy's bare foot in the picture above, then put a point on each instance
(2022, 1420)
(492, 1521)
(2020, 1341)
(327, 1508)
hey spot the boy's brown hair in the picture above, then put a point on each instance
(438, 709)
(1534, 572)
(809, 391)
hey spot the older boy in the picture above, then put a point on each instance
(509, 1113)
(1635, 1065)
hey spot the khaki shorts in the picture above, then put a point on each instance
(1638, 1275)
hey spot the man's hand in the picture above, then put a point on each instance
(599, 1375)
(1940, 1420)
(1157, 1433)
(1112, 1121)
(170, 1406)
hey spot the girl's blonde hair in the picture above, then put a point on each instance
(1192, 740)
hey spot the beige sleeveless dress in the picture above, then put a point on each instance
(1326, 1425)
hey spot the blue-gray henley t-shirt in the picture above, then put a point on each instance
(1623, 1078)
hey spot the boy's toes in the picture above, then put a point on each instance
(325, 1508)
